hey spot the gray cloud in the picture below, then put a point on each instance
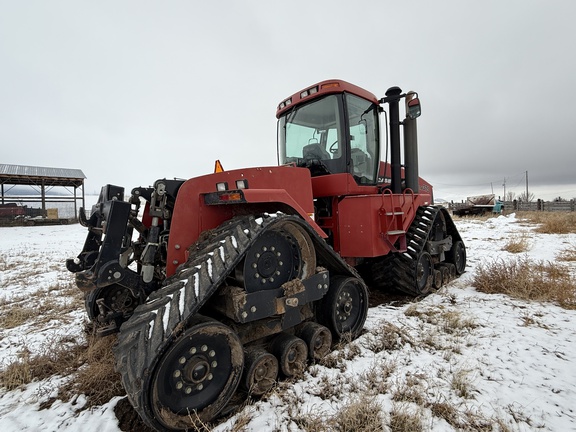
(134, 91)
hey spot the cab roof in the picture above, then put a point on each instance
(321, 89)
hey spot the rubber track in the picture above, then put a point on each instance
(155, 325)
(398, 270)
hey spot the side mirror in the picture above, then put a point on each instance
(413, 109)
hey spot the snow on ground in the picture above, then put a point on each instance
(494, 360)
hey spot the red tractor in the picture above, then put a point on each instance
(223, 283)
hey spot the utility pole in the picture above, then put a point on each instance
(527, 196)
(504, 184)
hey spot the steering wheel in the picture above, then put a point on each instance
(332, 149)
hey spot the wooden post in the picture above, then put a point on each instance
(43, 193)
(75, 210)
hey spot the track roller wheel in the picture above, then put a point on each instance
(344, 309)
(451, 270)
(438, 280)
(260, 371)
(318, 338)
(197, 376)
(446, 277)
(457, 256)
(292, 353)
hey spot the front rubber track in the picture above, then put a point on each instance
(398, 271)
(155, 325)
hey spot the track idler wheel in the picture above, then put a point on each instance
(292, 353)
(457, 256)
(344, 309)
(260, 371)
(424, 274)
(197, 376)
(318, 338)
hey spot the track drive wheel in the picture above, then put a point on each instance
(196, 377)
(344, 309)
(279, 255)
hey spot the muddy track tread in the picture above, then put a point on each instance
(397, 271)
(154, 326)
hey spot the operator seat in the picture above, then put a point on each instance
(315, 151)
(360, 163)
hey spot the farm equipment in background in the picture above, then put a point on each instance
(12, 211)
(14, 214)
(479, 205)
(221, 284)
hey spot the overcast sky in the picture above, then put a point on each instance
(132, 91)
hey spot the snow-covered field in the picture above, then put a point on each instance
(457, 360)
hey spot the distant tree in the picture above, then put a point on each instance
(510, 196)
(522, 197)
(559, 199)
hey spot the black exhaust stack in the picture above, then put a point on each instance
(393, 96)
(393, 99)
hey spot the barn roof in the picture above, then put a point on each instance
(33, 175)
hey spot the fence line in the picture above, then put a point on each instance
(538, 205)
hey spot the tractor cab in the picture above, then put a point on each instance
(331, 128)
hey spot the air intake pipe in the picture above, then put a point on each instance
(411, 142)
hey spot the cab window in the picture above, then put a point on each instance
(363, 133)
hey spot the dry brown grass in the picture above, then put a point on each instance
(412, 390)
(568, 254)
(43, 306)
(344, 350)
(527, 280)
(47, 309)
(57, 357)
(447, 320)
(482, 218)
(551, 222)
(461, 384)
(446, 411)
(517, 244)
(404, 419)
(374, 380)
(387, 337)
(92, 363)
(362, 415)
(97, 379)
(17, 373)
(16, 316)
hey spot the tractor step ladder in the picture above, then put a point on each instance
(392, 222)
